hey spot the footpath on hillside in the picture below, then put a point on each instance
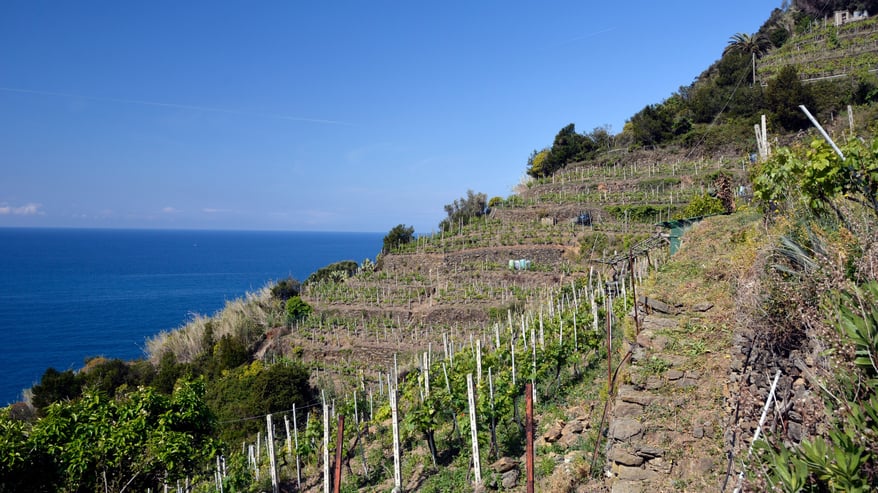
(671, 424)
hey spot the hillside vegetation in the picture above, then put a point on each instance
(649, 371)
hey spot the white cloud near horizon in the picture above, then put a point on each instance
(169, 210)
(29, 209)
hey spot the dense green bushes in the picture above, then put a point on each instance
(568, 147)
(399, 235)
(286, 289)
(463, 210)
(99, 375)
(135, 441)
(337, 271)
(256, 390)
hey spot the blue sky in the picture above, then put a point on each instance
(324, 116)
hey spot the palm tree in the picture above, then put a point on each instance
(754, 44)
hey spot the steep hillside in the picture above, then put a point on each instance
(826, 51)
(649, 370)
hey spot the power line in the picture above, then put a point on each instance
(715, 118)
(262, 416)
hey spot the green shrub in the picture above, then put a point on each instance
(55, 386)
(463, 210)
(845, 459)
(636, 213)
(334, 272)
(296, 309)
(101, 374)
(702, 205)
(256, 390)
(286, 289)
(398, 236)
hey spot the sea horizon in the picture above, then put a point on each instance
(68, 294)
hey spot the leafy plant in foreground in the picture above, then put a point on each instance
(847, 458)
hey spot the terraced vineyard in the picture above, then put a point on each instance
(447, 290)
(827, 52)
(460, 282)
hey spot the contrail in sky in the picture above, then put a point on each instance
(177, 106)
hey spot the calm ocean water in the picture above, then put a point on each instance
(68, 294)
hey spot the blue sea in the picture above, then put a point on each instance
(70, 294)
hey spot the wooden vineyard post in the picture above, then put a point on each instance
(394, 416)
(336, 484)
(474, 431)
(269, 437)
(529, 435)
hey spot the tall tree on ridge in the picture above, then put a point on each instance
(753, 44)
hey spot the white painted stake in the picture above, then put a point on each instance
(296, 442)
(326, 477)
(560, 328)
(765, 409)
(512, 351)
(269, 437)
(397, 471)
(474, 431)
(534, 348)
(491, 388)
(289, 439)
(426, 377)
(542, 336)
(479, 361)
